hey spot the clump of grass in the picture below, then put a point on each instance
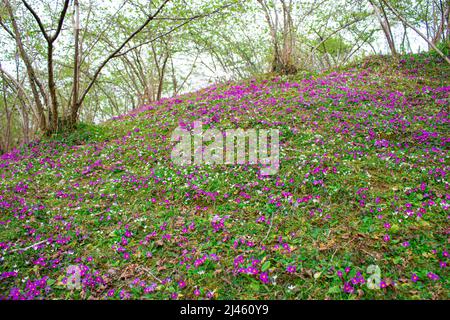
(82, 133)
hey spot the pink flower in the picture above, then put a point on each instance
(432, 276)
(348, 288)
(264, 277)
(252, 270)
(291, 269)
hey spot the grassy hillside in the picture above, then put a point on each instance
(363, 181)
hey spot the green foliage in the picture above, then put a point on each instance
(444, 47)
(83, 133)
(333, 46)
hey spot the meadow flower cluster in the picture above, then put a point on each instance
(362, 181)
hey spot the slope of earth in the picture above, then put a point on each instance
(358, 209)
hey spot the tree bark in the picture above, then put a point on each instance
(76, 67)
(7, 136)
(52, 88)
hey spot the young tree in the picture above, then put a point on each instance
(282, 33)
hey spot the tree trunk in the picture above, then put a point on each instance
(282, 53)
(76, 66)
(440, 30)
(52, 88)
(30, 70)
(385, 26)
(8, 113)
(161, 77)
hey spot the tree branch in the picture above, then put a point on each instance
(61, 21)
(38, 20)
(6, 28)
(203, 15)
(113, 54)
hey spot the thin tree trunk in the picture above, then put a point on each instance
(7, 139)
(174, 78)
(385, 26)
(389, 29)
(440, 30)
(161, 77)
(448, 22)
(273, 35)
(52, 89)
(76, 67)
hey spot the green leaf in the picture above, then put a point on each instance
(334, 289)
(395, 228)
(265, 266)
(254, 286)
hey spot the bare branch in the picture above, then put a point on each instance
(6, 28)
(203, 15)
(38, 20)
(114, 53)
(61, 21)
